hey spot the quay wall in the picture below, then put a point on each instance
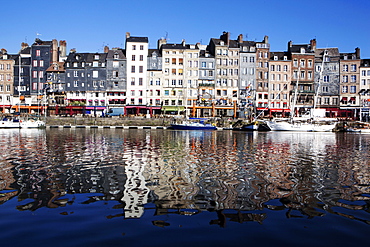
(120, 121)
(91, 121)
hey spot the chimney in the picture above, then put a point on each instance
(24, 45)
(290, 44)
(106, 49)
(63, 48)
(183, 42)
(225, 37)
(240, 38)
(266, 39)
(128, 35)
(357, 53)
(161, 42)
(73, 50)
(313, 44)
(54, 53)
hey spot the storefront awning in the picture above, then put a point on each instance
(173, 108)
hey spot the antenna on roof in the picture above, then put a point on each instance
(166, 36)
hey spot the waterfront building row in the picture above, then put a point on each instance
(224, 78)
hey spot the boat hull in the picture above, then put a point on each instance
(308, 127)
(192, 127)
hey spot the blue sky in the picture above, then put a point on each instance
(89, 25)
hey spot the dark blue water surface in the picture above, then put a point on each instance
(105, 187)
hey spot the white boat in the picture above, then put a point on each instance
(17, 123)
(32, 124)
(7, 123)
(296, 124)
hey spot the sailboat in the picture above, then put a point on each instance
(311, 122)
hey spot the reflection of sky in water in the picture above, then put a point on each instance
(304, 175)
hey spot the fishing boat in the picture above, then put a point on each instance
(191, 125)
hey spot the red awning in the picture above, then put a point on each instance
(344, 98)
(353, 98)
(279, 110)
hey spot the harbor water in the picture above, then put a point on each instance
(130, 187)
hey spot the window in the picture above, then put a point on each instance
(140, 81)
(141, 58)
(345, 78)
(95, 74)
(344, 89)
(285, 68)
(352, 89)
(133, 47)
(132, 81)
(353, 78)
(34, 63)
(75, 73)
(353, 67)
(75, 83)
(141, 69)
(132, 69)
(309, 74)
(204, 65)
(295, 63)
(325, 89)
(326, 78)
(141, 47)
(345, 68)
(310, 63)
(38, 53)
(133, 58)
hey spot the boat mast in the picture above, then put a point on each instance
(292, 111)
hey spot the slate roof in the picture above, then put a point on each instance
(137, 39)
(111, 53)
(297, 48)
(175, 46)
(332, 52)
(280, 55)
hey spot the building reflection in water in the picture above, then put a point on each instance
(187, 172)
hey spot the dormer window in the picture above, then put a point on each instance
(302, 50)
(96, 57)
(285, 58)
(275, 58)
(116, 56)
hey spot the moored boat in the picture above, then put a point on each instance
(187, 125)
